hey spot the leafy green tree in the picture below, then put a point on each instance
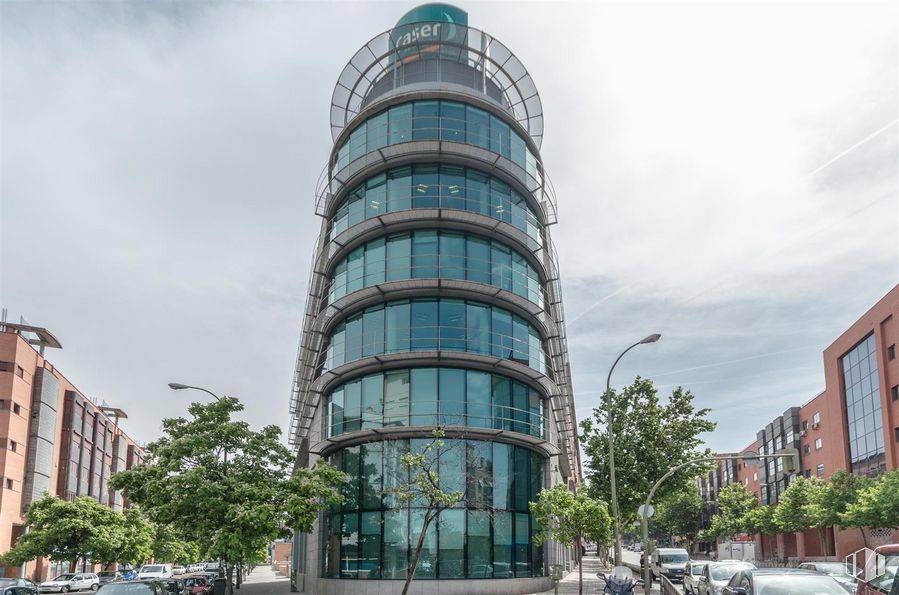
(828, 505)
(680, 514)
(651, 436)
(759, 520)
(81, 529)
(137, 537)
(222, 485)
(877, 505)
(425, 489)
(792, 514)
(169, 545)
(734, 502)
(571, 518)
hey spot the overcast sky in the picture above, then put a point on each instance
(726, 175)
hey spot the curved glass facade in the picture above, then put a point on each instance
(488, 535)
(430, 186)
(433, 254)
(434, 397)
(436, 325)
(437, 120)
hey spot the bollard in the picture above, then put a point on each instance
(555, 572)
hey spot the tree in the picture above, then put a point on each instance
(680, 514)
(220, 484)
(828, 505)
(877, 504)
(169, 545)
(63, 530)
(759, 520)
(137, 537)
(734, 502)
(570, 518)
(425, 489)
(650, 438)
(791, 514)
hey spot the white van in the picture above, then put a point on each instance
(669, 562)
(155, 571)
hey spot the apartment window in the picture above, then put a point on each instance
(897, 434)
(16, 409)
(820, 470)
(808, 473)
(8, 484)
(816, 418)
(806, 449)
(817, 444)
(20, 372)
(891, 352)
(755, 477)
(894, 392)
(2, 404)
(804, 425)
(13, 445)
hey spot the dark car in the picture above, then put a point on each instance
(109, 576)
(133, 588)
(782, 581)
(17, 586)
(174, 586)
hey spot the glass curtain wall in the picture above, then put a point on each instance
(435, 254)
(488, 535)
(861, 387)
(431, 397)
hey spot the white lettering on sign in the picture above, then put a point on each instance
(417, 33)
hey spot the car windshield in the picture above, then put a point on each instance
(126, 589)
(673, 558)
(884, 581)
(106, 573)
(832, 568)
(195, 581)
(152, 569)
(725, 571)
(697, 568)
(64, 577)
(797, 584)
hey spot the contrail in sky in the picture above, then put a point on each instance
(853, 147)
(596, 303)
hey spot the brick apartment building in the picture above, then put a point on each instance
(852, 425)
(52, 438)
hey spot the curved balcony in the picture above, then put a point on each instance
(533, 181)
(434, 186)
(469, 58)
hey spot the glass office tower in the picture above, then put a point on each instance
(434, 301)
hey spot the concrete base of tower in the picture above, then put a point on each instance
(510, 586)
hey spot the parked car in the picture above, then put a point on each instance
(692, 572)
(109, 576)
(175, 586)
(843, 573)
(668, 562)
(716, 575)
(176, 570)
(133, 588)
(782, 581)
(882, 578)
(71, 581)
(198, 585)
(17, 586)
(157, 571)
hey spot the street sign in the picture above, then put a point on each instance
(649, 513)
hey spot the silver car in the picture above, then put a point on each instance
(692, 572)
(716, 575)
(71, 581)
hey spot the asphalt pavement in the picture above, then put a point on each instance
(264, 581)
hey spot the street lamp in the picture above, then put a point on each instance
(179, 386)
(610, 419)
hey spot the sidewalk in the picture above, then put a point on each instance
(592, 585)
(264, 581)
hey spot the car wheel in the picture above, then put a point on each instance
(65, 589)
(95, 586)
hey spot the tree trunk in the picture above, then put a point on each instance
(580, 572)
(822, 539)
(229, 584)
(864, 537)
(239, 575)
(416, 556)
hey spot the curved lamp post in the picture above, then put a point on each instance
(179, 386)
(610, 419)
